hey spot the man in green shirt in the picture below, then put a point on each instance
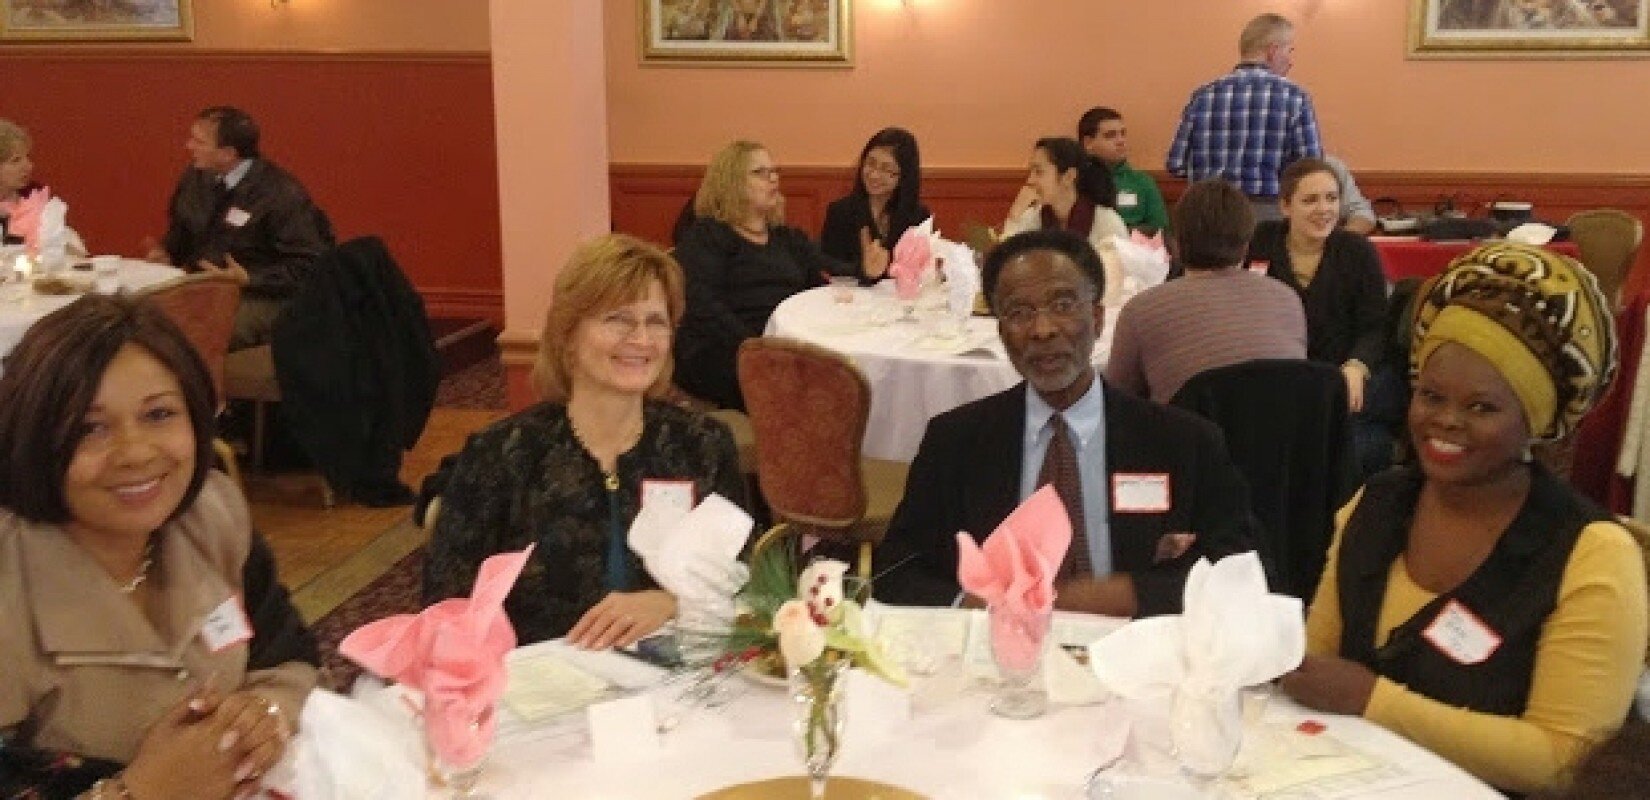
(1138, 202)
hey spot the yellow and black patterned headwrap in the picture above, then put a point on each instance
(1538, 316)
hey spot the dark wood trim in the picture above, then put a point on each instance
(487, 304)
(129, 52)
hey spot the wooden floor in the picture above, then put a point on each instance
(324, 555)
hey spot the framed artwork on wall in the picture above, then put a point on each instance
(1529, 28)
(95, 20)
(756, 33)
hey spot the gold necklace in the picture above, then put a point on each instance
(143, 569)
(610, 478)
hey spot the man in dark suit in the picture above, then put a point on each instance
(233, 209)
(1150, 489)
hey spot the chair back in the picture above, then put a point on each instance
(1641, 534)
(808, 407)
(1288, 432)
(203, 305)
(1609, 242)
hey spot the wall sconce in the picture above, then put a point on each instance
(278, 3)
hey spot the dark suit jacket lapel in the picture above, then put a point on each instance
(1130, 447)
(993, 481)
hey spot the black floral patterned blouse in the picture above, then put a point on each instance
(527, 479)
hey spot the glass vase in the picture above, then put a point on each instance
(816, 701)
(1017, 638)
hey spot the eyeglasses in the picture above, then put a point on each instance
(891, 170)
(765, 173)
(1062, 309)
(622, 326)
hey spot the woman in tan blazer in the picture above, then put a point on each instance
(144, 641)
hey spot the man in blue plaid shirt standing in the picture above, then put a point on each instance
(1247, 125)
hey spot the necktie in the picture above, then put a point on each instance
(220, 202)
(1060, 469)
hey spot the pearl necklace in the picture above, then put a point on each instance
(143, 569)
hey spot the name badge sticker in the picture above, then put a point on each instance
(1462, 635)
(227, 625)
(668, 495)
(1259, 267)
(236, 217)
(1127, 200)
(1140, 493)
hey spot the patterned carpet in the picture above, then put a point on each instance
(393, 592)
(478, 386)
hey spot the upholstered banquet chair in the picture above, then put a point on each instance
(1287, 430)
(203, 306)
(1609, 242)
(808, 407)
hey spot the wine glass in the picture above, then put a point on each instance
(1017, 637)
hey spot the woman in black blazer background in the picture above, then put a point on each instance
(863, 227)
(1343, 290)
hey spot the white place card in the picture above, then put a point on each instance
(624, 730)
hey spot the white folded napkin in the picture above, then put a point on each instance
(1144, 263)
(1532, 233)
(352, 749)
(962, 277)
(1232, 634)
(695, 556)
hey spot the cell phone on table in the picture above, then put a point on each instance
(660, 650)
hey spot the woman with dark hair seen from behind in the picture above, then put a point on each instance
(1343, 289)
(571, 473)
(741, 261)
(1475, 603)
(1068, 189)
(863, 227)
(145, 639)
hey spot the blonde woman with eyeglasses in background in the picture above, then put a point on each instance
(741, 262)
(571, 473)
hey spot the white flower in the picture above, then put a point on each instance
(801, 639)
(820, 586)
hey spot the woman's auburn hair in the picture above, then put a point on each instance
(721, 194)
(603, 274)
(52, 377)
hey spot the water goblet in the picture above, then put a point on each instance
(1017, 637)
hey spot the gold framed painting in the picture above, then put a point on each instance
(756, 33)
(95, 20)
(1529, 28)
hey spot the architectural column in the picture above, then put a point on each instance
(550, 112)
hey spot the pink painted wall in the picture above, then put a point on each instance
(978, 80)
(342, 25)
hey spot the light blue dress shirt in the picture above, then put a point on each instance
(1087, 418)
(235, 174)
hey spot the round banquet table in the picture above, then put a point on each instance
(21, 306)
(913, 374)
(951, 749)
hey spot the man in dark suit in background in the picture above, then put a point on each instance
(1150, 489)
(233, 209)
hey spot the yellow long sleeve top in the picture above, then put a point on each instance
(1587, 664)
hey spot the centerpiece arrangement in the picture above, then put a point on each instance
(807, 625)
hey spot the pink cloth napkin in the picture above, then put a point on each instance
(1154, 241)
(913, 256)
(24, 217)
(454, 653)
(1014, 570)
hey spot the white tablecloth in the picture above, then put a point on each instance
(956, 749)
(913, 376)
(21, 306)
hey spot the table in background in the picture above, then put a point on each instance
(1414, 257)
(912, 378)
(21, 306)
